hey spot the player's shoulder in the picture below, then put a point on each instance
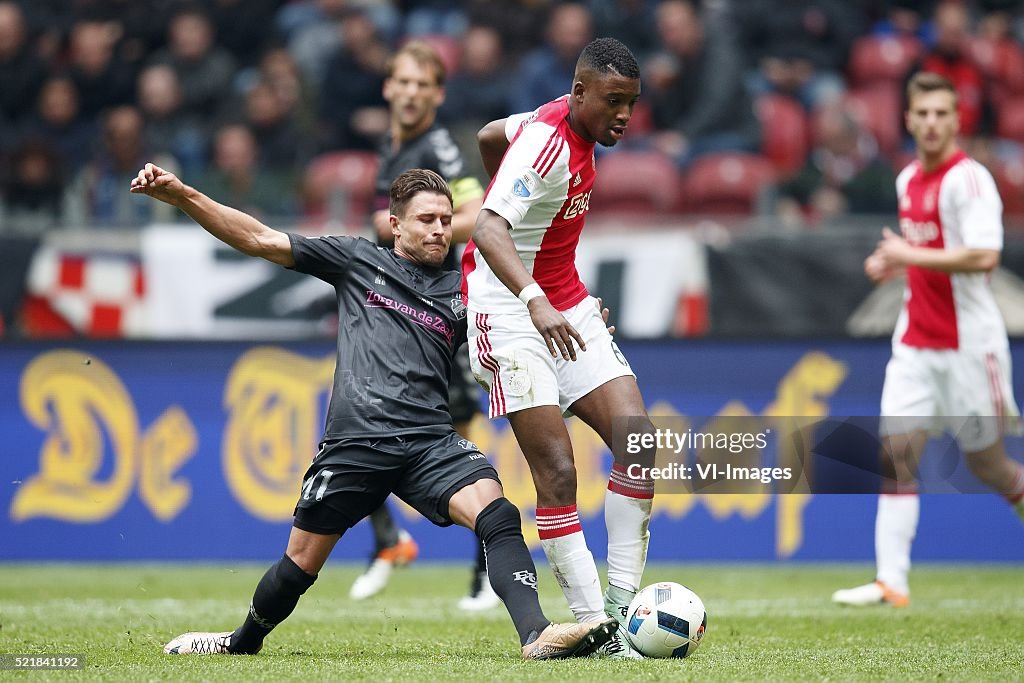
(971, 175)
(908, 172)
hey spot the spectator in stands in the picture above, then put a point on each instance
(907, 18)
(32, 191)
(631, 21)
(57, 120)
(242, 26)
(21, 72)
(139, 26)
(546, 73)
(353, 112)
(279, 70)
(103, 80)
(311, 30)
(479, 92)
(169, 127)
(96, 197)
(844, 174)
(238, 178)
(798, 47)
(517, 20)
(280, 142)
(204, 68)
(950, 58)
(698, 98)
(427, 17)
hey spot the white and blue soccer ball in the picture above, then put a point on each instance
(666, 620)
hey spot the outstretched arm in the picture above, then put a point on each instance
(231, 226)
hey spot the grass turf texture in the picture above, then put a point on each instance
(765, 622)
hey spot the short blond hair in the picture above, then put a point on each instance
(424, 54)
(925, 82)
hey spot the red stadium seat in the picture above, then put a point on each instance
(1003, 64)
(784, 132)
(1010, 181)
(886, 59)
(634, 182)
(1010, 119)
(880, 110)
(448, 49)
(725, 184)
(340, 186)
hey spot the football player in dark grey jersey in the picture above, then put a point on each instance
(388, 428)
(414, 89)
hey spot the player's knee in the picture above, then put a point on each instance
(557, 481)
(498, 521)
(291, 577)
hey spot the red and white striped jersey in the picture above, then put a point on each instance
(954, 205)
(542, 188)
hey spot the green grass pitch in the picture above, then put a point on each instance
(770, 622)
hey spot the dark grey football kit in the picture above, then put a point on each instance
(388, 428)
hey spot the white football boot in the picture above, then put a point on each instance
(197, 643)
(874, 593)
(616, 604)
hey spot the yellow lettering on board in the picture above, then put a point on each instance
(274, 399)
(750, 504)
(76, 401)
(800, 394)
(166, 446)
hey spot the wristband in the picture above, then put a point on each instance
(530, 291)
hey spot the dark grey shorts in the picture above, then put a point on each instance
(350, 478)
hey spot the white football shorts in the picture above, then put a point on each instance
(965, 393)
(511, 361)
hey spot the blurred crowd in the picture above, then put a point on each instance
(786, 107)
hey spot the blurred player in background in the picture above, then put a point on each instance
(950, 366)
(414, 90)
(530, 311)
(381, 436)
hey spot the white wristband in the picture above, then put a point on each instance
(530, 291)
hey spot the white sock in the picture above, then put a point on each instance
(895, 527)
(627, 514)
(561, 536)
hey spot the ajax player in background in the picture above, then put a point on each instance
(536, 337)
(950, 365)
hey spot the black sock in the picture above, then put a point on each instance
(276, 595)
(385, 531)
(479, 569)
(510, 568)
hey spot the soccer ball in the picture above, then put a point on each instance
(666, 620)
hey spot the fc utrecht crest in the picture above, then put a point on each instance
(458, 308)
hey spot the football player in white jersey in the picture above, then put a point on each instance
(950, 365)
(537, 338)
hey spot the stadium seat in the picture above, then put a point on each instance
(784, 132)
(1003, 65)
(1010, 181)
(1010, 119)
(634, 182)
(340, 186)
(725, 184)
(880, 110)
(882, 59)
(448, 49)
